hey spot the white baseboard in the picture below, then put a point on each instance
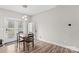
(70, 47)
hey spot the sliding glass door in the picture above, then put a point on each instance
(10, 30)
(12, 27)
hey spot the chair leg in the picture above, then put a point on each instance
(33, 44)
(18, 46)
(23, 46)
(28, 47)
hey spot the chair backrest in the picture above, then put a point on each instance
(19, 34)
(30, 35)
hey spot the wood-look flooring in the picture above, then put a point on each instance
(40, 47)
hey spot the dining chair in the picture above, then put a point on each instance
(30, 39)
(19, 39)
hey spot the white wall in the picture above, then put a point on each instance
(53, 26)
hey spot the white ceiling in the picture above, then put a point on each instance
(30, 10)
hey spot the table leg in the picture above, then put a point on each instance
(24, 46)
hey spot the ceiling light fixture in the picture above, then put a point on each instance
(24, 6)
(24, 17)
